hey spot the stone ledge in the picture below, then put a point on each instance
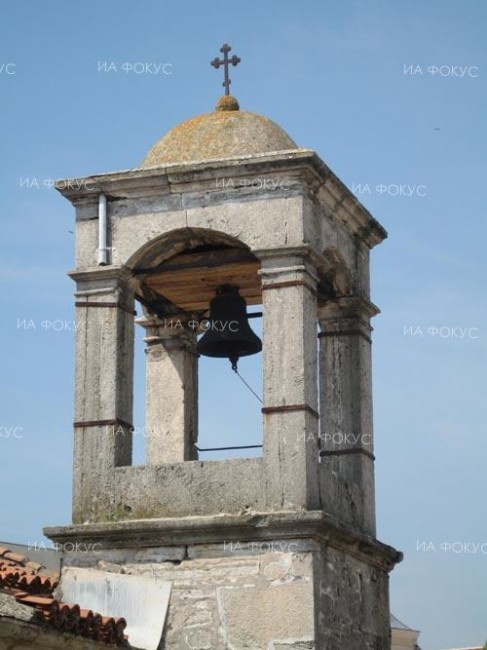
(161, 181)
(191, 531)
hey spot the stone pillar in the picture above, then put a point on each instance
(346, 432)
(290, 381)
(171, 392)
(103, 387)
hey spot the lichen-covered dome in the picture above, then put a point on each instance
(227, 132)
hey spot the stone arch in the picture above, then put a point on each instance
(174, 242)
(199, 256)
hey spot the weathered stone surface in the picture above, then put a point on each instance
(103, 404)
(208, 594)
(266, 530)
(290, 387)
(346, 436)
(10, 608)
(313, 596)
(171, 412)
(254, 618)
(250, 547)
(188, 488)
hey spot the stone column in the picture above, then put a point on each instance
(290, 381)
(103, 387)
(346, 432)
(171, 417)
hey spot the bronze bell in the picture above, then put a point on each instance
(229, 334)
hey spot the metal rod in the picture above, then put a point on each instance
(226, 448)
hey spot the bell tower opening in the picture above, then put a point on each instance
(201, 306)
(230, 397)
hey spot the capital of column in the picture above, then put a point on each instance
(287, 268)
(348, 306)
(100, 277)
(175, 336)
(104, 287)
(347, 315)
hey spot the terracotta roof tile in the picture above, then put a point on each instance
(70, 618)
(14, 574)
(15, 557)
(23, 579)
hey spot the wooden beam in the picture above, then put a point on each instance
(207, 259)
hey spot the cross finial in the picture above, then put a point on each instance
(216, 63)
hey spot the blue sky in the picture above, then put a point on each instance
(411, 146)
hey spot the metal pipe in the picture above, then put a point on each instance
(102, 231)
(225, 448)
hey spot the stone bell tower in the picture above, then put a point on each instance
(274, 552)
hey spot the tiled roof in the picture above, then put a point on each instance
(31, 585)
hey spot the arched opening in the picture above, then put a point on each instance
(175, 278)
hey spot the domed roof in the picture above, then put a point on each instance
(227, 132)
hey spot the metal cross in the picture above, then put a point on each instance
(216, 63)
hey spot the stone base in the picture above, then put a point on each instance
(274, 582)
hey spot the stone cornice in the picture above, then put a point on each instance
(304, 164)
(190, 531)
